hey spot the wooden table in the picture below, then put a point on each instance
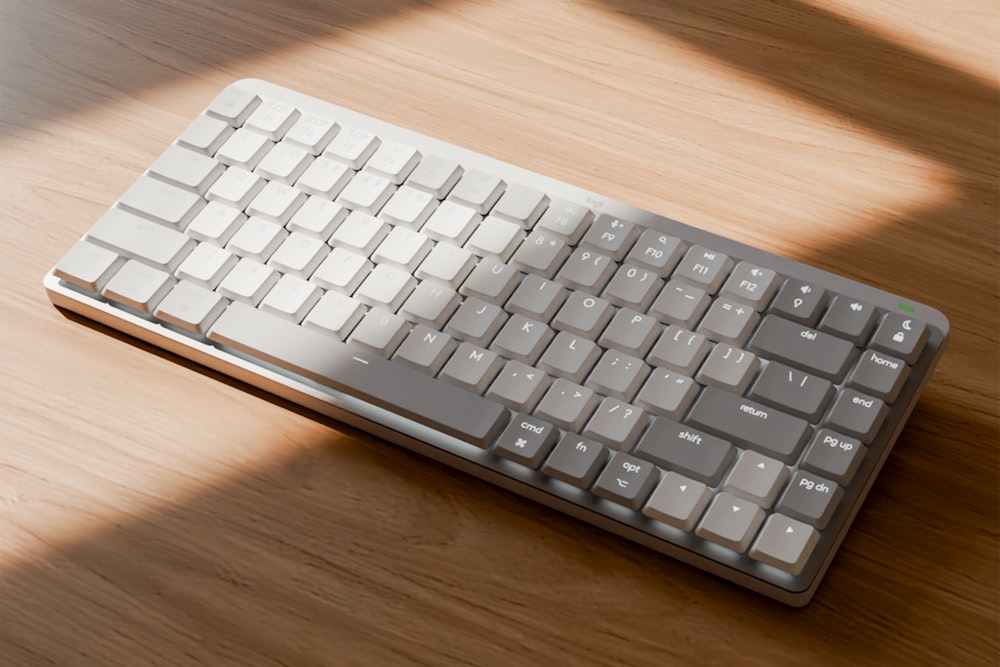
(152, 513)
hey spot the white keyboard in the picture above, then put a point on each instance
(712, 401)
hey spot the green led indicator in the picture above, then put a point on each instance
(908, 309)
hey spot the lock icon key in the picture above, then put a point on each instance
(899, 337)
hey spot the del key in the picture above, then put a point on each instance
(802, 347)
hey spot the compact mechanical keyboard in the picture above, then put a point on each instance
(712, 401)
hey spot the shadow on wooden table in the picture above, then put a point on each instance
(317, 574)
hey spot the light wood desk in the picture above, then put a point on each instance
(155, 514)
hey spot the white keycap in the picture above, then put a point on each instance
(380, 332)
(300, 254)
(326, 177)
(342, 270)
(216, 223)
(234, 105)
(353, 146)
(291, 298)
(409, 207)
(187, 169)
(206, 134)
(431, 304)
(394, 161)
(191, 307)
(235, 187)
(285, 162)
(403, 248)
(138, 286)
(273, 118)
(249, 281)
(335, 314)
(451, 222)
(360, 232)
(257, 239)
(478, 189)
(447, 264)
(366, 192)
(386, 287)
(436, 175)
(162, 202)
(318, 216)
(207, 265)
(88, 266)
(495, 238)
(137, 238)
(312, 132)
(276, 202)
(244, 148)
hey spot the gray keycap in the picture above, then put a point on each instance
(680, 349)
(522, 339)
(616, 423)
(751, 284)
(586, 270)
(618, 374)
(537, 298)
(834, 455)
(568, 219)
(656, 251)
(802, 347)
(633, 287)
(901, 336)
(472, 368)
(519, 386)
(492, 281)
(627, 480)
(476, 321)
(337, 365)
(810, 498)
(567, 405)
(570, 356)
(785, 543)
(757, 478)
(478, 189)
(800, 301)
(583, 314)
(681, 304)
(687, 450)
(731, 521)
(704, 267)
(857, 414)
(765, 429)
(631, 332)
(880, 375)
(678, 501)
(729, 321)
(611, 236)
(425, 349)
(522, 205)
(526, 440)
(667, 393)
(728, 368)
(849, 318)
(792, 390)
(543, 252)
(380, 332)
(576, 460)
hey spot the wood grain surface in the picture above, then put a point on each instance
(153, 513)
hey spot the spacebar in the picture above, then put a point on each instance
(342, 367)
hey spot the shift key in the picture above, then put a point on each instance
(802, 347)
(754, 425)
